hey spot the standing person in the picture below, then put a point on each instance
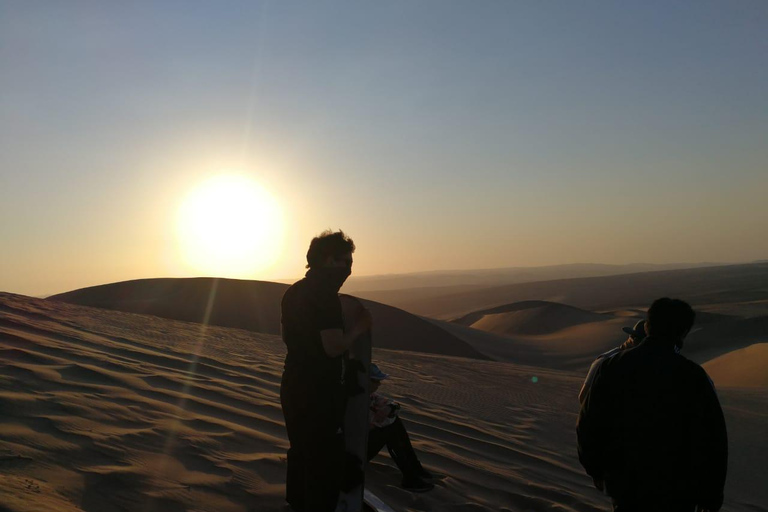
(387, 429)
(636, 335)
(312, 391)
(651, 432)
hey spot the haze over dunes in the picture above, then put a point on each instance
(700, 286)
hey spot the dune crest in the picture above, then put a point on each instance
(533, 317)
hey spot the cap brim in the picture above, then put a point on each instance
(632, 332)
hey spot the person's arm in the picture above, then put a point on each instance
(336, 341)
(590, 429)
(588, 381)
(709, 446)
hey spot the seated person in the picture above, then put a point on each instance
(386, 428)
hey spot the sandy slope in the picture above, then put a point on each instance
(106, 411)
(746, 367)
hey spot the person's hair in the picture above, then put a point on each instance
(328, 243)
(670, 317)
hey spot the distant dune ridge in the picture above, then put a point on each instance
(483, 278)
(108, 411)
(699, 286)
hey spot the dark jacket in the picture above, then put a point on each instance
(312, 387)
(652, 429)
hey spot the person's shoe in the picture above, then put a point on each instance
(424, 474)
(416, 484)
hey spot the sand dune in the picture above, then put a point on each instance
(746, 367)
(572, 348)
(708, 341)
(529, 317)
(254, 306)
(107, 411)
(251, 305)
(559, 336)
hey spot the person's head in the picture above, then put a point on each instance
(670, 318)
(376, 377)
(330, 249)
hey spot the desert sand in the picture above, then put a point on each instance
(110, 411)
(746, 367)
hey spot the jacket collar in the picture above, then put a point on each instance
(661, 343)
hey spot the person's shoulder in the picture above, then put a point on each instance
(694, 370)
(294, 291)
(689, 366)
(615, 357)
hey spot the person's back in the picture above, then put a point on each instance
(652, 430)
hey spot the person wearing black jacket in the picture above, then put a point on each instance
(312, 391)
(651, 432)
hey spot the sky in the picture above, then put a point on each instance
(437, 134)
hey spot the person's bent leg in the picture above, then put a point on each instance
(415, 477)
(295, 458)
(401, 449)
(377, 438)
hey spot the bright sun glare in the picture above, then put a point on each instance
(229, 226)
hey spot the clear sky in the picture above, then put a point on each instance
(438, 134)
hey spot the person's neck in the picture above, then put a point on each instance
(666, 342)
(327, 277)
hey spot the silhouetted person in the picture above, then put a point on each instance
(312, 393)
(651, 431)
(636, 335)
(387, 429)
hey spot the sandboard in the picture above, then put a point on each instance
(356, 415)
(374, 503)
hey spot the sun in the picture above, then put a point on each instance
(229, 226)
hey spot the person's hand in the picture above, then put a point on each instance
(364, 321)
(599, 484)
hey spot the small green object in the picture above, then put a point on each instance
(534, 379)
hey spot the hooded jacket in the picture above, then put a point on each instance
(651, 427)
